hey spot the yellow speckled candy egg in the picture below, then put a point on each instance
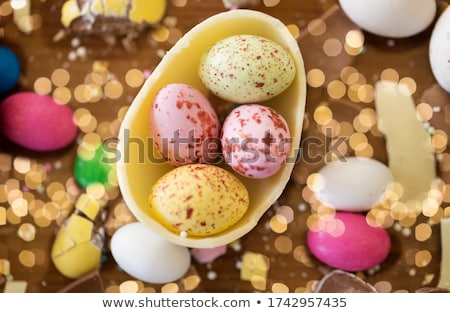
(198, 200)
(247, 68)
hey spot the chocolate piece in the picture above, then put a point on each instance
(338, 281)
(432, 290)
(230, 4)
(92, 24)
(109, 19)
(91, 282)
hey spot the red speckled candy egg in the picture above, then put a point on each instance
(184, 126)
(348, 242)
(198, 200)
(255, 140)
(37, 122)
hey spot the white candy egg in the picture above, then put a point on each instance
(440, 50)
(147, 256)
(391, 18)
(354, 184)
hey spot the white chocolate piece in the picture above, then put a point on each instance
(444, 279)
(15, 286)
(409, 147)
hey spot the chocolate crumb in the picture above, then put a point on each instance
(91, 282)
(432, 290)
(338, 281)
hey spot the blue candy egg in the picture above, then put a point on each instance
(9, 69)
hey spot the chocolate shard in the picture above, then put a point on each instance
(230, 4)
(89, 283)
(432, 290)
(338, 281)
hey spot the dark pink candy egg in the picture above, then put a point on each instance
(348, 242)
(37, 122)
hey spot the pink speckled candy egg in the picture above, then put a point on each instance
(184, 126)
(255, 140)
(37, 122)
(348, 242)
(247, 68)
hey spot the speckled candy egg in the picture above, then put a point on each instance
(37, 122)
(247, 68)
(184, 126)
(198, 200)
(347, 242)
(255, 140)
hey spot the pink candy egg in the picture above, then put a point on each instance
(348, 242)
(255, 140)
(184, 125)
(37, 122)
(208, 255)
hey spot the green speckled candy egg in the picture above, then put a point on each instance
(198, 199)
(247, 68)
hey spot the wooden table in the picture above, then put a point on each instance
(292, 268)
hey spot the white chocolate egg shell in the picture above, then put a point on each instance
(180, 65)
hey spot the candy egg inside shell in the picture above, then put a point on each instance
(198, 200)
(145, 255)
(255, 140)
(138, 169)
(247, 68)
(184, 126)
(37, 122)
